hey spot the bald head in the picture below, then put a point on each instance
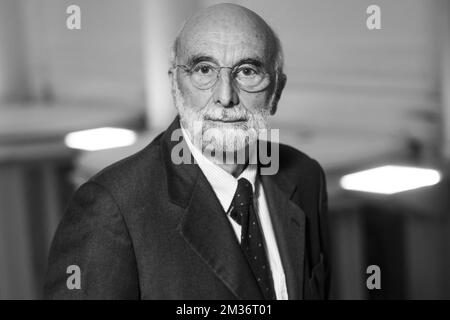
(229, 25)
(227, 16)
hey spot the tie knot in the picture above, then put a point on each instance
(244, 193)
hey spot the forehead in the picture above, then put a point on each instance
(225, 47)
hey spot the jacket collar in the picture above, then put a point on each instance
(288, 221)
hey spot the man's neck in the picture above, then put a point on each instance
(234, 169)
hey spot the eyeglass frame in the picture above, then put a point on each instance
(188, 70)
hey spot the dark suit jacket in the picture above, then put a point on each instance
(145, 228)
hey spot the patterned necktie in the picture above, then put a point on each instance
(252, 240)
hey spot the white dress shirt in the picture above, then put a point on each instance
(224, 186)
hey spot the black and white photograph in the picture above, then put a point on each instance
(200, 150)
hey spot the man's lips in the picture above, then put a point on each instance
(227, 120)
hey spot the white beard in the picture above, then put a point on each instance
(217, 139)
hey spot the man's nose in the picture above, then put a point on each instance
(224, 92)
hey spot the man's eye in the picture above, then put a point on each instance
(203, 69)
(247, 72)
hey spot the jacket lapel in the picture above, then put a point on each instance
(204, 225)
(288, 221)
(206, 229)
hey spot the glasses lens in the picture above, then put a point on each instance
(204, 75)
(251, 78)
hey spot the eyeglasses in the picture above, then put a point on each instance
(248, 77)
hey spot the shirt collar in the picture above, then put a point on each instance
(223, 183)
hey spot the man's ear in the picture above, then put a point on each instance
(173, 85)
(170, 73)
(277, 94)
(172, 78)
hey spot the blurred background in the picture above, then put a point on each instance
(356, 99)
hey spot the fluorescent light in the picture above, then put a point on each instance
(100, 138)
(390, 179)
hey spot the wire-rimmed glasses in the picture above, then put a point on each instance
(248, 77)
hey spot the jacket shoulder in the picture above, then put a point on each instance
(295, 162)
(135, 172)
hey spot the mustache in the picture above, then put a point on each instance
(226, 115)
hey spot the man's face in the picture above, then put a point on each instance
(230, 117)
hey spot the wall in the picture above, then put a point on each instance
(102, 62)
(344, 78)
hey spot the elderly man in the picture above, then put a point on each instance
(176, 221)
